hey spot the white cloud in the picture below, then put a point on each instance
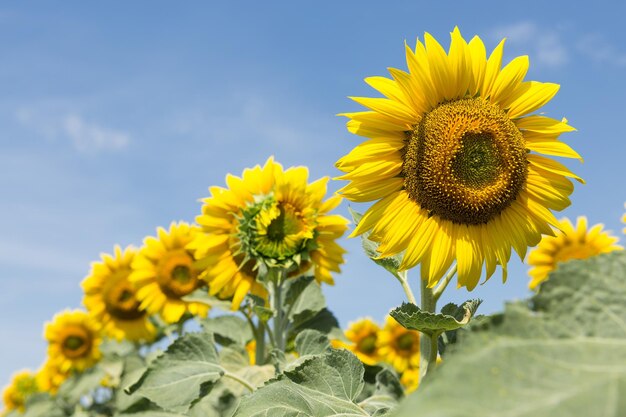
(544, 45)
(85, 136)
(601, 51)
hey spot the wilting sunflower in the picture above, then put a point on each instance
(110, 298)
(363, 336)
(73, 340)
(269, 216)
(399, 346)
(454, 160)
(164, 272)
(50, 377)
(23, 384)
(570, 242)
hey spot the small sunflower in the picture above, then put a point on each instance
(163, 272)
(453, 160)
(570, 242)
(363, 337)
(268, 216)
(50, 377)
(73, 340)
(624, 220)
(110, 298)
(399, 346)
(251, 351)
(23, 384)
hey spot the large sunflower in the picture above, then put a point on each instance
(399, 346)
(570, 242)
(269, 216)
(453, 160)
(110, 297)
(363, 336)
(73, 340)
(164, 272)
(23, 384)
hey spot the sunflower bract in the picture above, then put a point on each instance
(454, 162)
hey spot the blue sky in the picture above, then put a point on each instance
(117, 116)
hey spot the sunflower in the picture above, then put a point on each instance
(399, 346)
(50, 377)
(624, 220)
(23, 384)
(73, 340)
(570, 242)
(410, 379)
(110, 298)
(453, 160)
(363, 335)
(269, 217)
(163, 272)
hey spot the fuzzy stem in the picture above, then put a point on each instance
(428, 342)
(403, 278)
(444, 283)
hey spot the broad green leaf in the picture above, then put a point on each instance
(412, 317)
(310, 301)
(228, 329)
(564, 358)
(323, 386)
(294, 289)
(220, 402)
(152, 413)
(311, 342)
(323, 321)
(183, 374)
(386, 395)
(391, 263)
(134, 368)
(42, 405)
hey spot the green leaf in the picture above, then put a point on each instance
(311, 342)
(412, 317)
(391, 263)
(323, 321)
(42, 405)
(228, 329)
(152, 413)
(308, 303)
(323, 386)
(295, 287)
(386, 396)
(562, 356)
(134, 368)
(184, 373)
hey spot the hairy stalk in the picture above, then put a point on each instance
(276, 303)
(260, 344)
(428, 342)
(403, 277)
(444, 282)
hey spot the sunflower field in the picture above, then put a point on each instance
(225, 316)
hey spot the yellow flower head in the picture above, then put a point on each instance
(110, 298)
(363, 337)
(73, 340)
(453, 160)
(268, 216)
(569, 243)
(50, 377)
(251, 351)
(624, 220)
(163, 272)
(23, 384)
(399, 346)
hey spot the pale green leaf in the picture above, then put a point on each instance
(564, 358)
(228, 329)
(183, 374)
(412, 317)
(311, 342)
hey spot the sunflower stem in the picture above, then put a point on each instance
(238, 379)
(428, 342)
(403, 278)
(260, 345)
(276, 286)
(444, 283)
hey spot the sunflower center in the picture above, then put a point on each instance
(367, 344)
(281, 231)
(465, 161)
(407, 342)
(176, 275)
(120, 300)
(76, 343)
